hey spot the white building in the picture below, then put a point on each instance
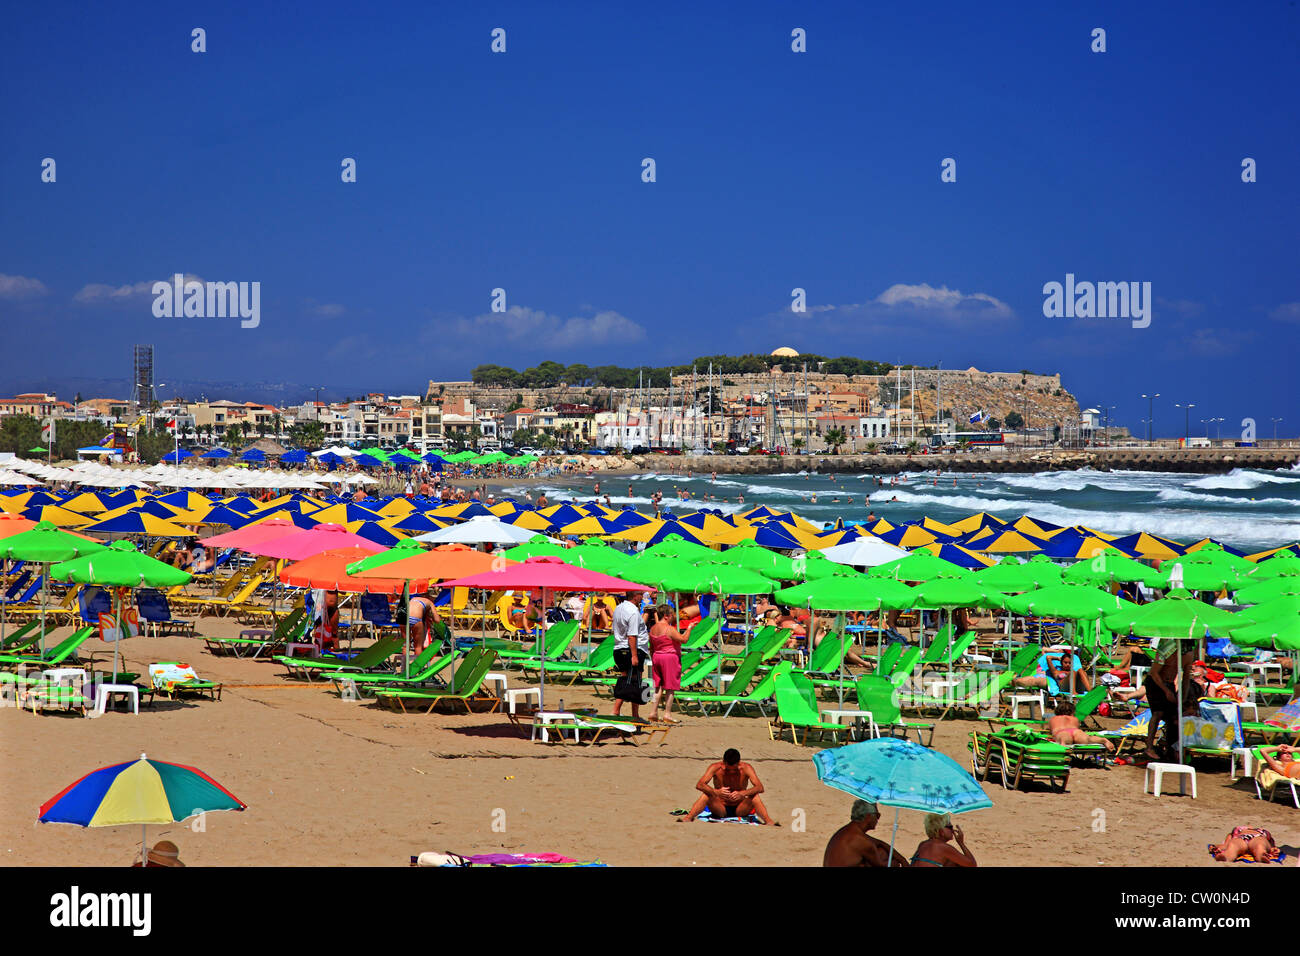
(874, 428)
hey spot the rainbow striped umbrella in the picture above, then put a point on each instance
(144, 791)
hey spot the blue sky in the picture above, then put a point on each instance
(775, 170)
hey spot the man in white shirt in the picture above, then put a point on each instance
(631, 645)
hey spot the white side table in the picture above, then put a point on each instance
(1029, 700)
(103, 690)
(1247, 755)
(1262, 668)
(515, 693)
(544, 717)
(836, 715)
(498, 678)
(291, 649)
(1181, 770)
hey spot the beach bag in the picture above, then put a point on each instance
(1217, 726)
(633, 688)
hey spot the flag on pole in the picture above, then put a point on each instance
(978, 417)
(47, 431)
(171, 424)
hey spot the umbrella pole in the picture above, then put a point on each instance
(892, 840)
(120, 626)
(45, 591)
(406, 636)
(541, 686)
(144, 854)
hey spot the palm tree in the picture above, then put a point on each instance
(835, 437)
(797, 445)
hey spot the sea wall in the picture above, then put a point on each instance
(1205, 460)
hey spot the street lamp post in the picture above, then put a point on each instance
(1275, 421)
(1151, 405)
(1216, 428)
(1187, 421)
(1107, 409)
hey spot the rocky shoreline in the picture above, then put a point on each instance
(1202, 460)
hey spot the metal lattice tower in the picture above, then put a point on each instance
(142, 378)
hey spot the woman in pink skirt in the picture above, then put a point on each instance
(665, 661)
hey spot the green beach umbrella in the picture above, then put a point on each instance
(1282, 564)
(847, 594)
(918, 566)
(405, 548)
(1286, 605)
(538, 547)
(598, 556)
(38, 450)
(1214, 555)
(723, 579)
(1076, 601)
(1203, 576)
(1110, 567)
(1262, 591)
(1281, 633)
(817, 566)
(45, 543)
(1012, 575)
(675, 546)
(1179, 615)
(120, 566)
(956, 592)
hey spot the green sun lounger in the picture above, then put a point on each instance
(760, 697)
(22, 638)
(62, 652)
(1019, 758)
(368, 685)
(796, 708)
(254, 642)
(879, 697)
(368, 659)
(597, 662)
(465, 687)
(558, 638)
(702, 633)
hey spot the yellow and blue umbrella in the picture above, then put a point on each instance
(143, 791)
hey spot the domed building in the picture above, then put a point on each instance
(785, 352)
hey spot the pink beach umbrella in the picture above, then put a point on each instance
(304, 543)
(549, 574)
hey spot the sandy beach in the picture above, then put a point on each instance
(329, 782)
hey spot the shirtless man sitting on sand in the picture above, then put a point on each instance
(1065, 728)
(851, 846)
(723, 790)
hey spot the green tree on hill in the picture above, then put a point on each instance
(1014, 420)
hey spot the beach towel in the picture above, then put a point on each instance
(708, 817)
(168, 676)
(1137, 727)
(499, 859)
(1287, 717)
(1216, 727)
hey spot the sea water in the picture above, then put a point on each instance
(1249, 509)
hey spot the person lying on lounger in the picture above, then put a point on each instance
(723, 790)
(850, 845)
(1284, 764)
(1065, 728)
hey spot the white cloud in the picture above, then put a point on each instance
(1286, 312)
(539, 329)
(942, 300)
(328, 310)
(20, 287)
(99, 292)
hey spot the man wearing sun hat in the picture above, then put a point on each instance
(164, 853)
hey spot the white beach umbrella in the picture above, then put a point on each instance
(481, 529)
(864, 552)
